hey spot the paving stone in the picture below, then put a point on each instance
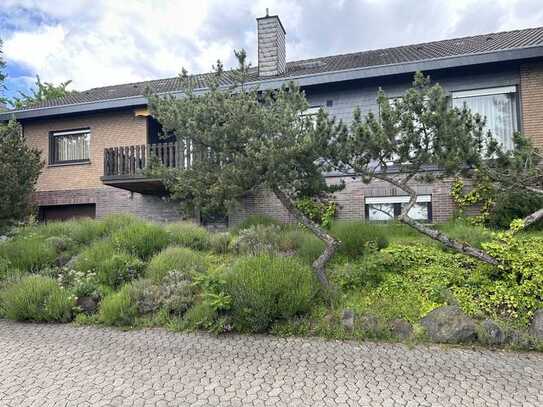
(65, 365)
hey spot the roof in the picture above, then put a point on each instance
(383, 61)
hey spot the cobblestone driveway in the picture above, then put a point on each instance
(64, 365)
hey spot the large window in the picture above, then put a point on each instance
(386, 208)
(498, 105)
(69, 146)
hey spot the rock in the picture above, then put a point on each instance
(449, 325)
(369, 324)
(88, 304)
(401, 328)
(62, 260)
(491, 334)
(71, 263)
(536, 327)
(347, 319)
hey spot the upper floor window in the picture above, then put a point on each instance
(498, 105)
(69, 146)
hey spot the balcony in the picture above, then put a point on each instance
(125, 167)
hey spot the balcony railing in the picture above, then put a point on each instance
(132, 161)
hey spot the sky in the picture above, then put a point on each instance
(104, 42)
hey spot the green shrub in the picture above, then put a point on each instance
(254, 220)
(396, 297)
(28, 253)
(180, 259)
(36, 298)
(114, 222)
(141, 239)
(113, 268)
(259, 239)
(465, 232)
(81, 231)
(357, 237)
(189, 235)
(306, 245)
(264, 289)
(514, 205)
(119, 308)
(220, 242)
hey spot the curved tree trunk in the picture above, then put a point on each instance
(331, 243)
(461, 247)
(533, 217)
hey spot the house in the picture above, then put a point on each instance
(97, 142)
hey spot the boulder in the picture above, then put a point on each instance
(491, 334)
(536, 327)
(369, 324)
(88, 304)
(449, 325)
(401, 328)
(347, 319)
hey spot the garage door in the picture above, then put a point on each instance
(64, 212)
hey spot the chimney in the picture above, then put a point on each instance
(271, 46)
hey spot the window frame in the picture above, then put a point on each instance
(62, 133)
(397, 201)
(494, 90)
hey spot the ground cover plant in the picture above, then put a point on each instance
(258, 278)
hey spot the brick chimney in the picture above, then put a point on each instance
(271, 46)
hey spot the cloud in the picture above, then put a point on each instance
(101, 42)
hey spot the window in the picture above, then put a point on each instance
(498, 105)
(69, 146)
(386, 208)
(311, 113)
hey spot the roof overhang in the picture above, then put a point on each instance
(303, 80)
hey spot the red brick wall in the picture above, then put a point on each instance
(108, 129)
(531, 91)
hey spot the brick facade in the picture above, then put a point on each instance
(108, 129)
(531, 93)
(74, 184)
(350, 200)
(109, 200)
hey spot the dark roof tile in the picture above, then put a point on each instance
(396, 55)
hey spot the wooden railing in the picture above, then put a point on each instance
(133, 160)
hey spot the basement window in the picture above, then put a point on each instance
(69, 146)
(387, 208)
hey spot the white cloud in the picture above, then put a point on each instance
(101, 42)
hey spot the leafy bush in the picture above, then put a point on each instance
(465, 232)
(259, 239)
(28, 253)
(255, 220)
(114, 222)
(306, 245)
(321, 211)
(112, 267)
(220, 242)
(264, 289)
(119, 308)
(514, 205)
(180, 259)
(189, 235)
(357, 237)
(36, 298)
(141, 239)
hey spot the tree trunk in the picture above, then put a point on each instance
(461, 247)
(331, 243)
(533, 217)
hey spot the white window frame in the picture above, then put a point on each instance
(395, 200)
(498, 90)
(483, 92)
